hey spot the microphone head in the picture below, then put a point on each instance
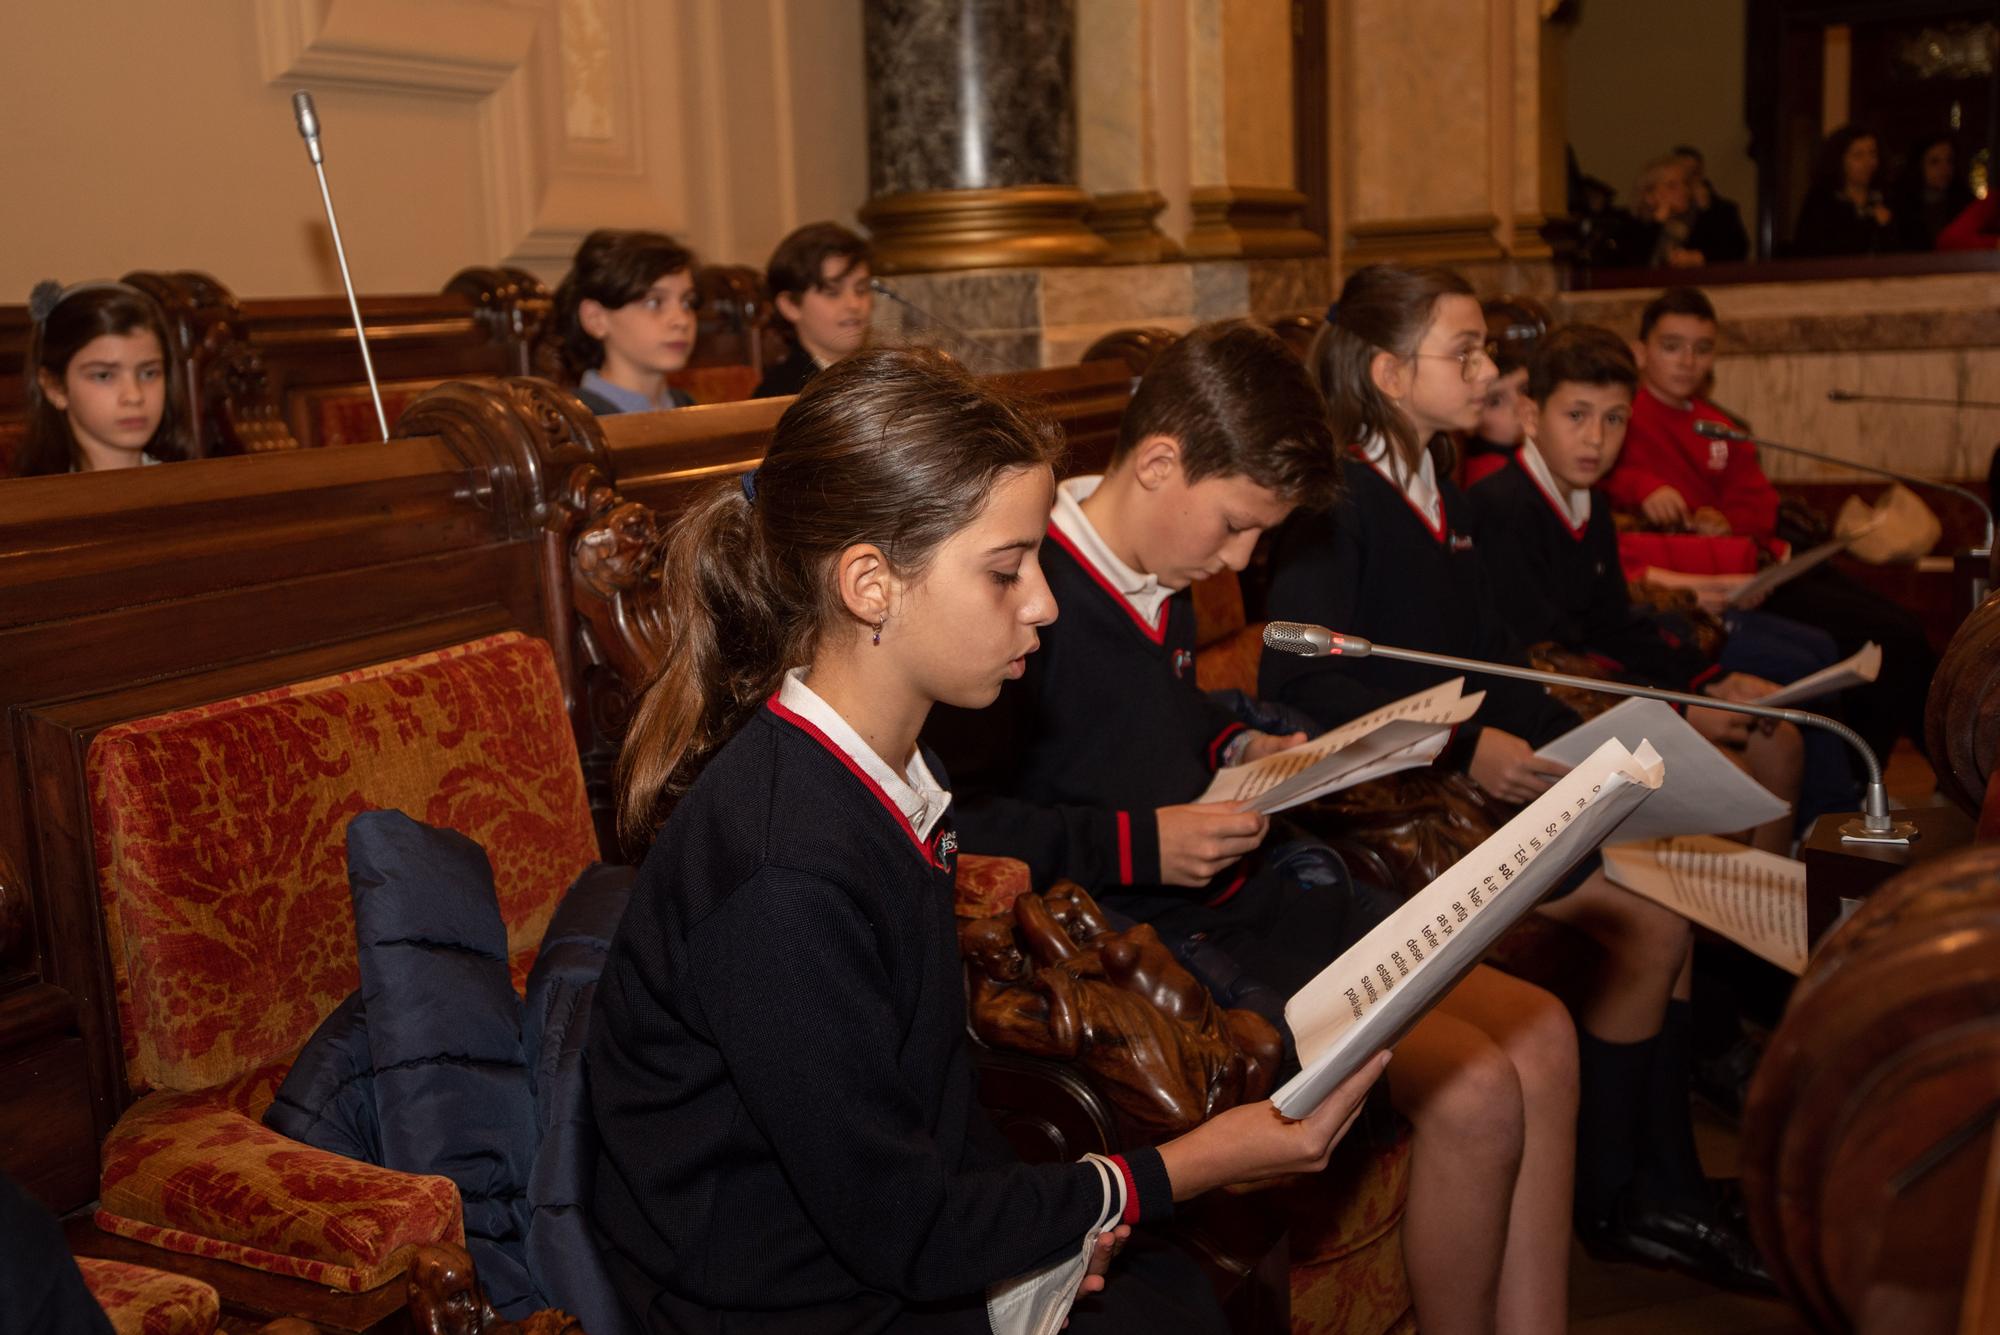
(880, 288)
(1718, 431)
(308, 122)
(1298, 637)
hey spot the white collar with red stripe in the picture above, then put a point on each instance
(1420, 488)
(1571, 504)
(917, 798)
(1144, 594)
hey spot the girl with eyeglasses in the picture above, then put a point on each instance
(1405, 362)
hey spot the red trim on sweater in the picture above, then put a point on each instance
(1229, 891)
(1131, 1215)
(1125, 848)
(1222, 740)
(1433, 527)
(1156, 632)
(888, 803)
(1576, 531)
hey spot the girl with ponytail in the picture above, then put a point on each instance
(1404, 361)
(779, 1072)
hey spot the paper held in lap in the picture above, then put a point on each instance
(1707, 793)
(1369, 997)
(1754, 898)
(1399, 736)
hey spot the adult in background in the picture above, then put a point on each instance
(1717, 231)
(1844, 212)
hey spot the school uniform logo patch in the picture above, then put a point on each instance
(1183, 660)
(1461, 542)
(944, 848)
(1718, 455)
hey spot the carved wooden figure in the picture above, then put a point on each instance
(445, 1299)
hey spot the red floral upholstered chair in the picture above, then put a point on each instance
(221, 861)
(142, 1301)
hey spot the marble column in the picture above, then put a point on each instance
(1115, 130)
(972, 158)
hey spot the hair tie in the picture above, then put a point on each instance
(48, 294)
(749, 483)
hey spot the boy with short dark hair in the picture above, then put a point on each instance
(626, 316)
(819, 280)
(1552, 553)
(1094, 760)
(1678, 479)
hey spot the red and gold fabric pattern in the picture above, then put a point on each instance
(220, 839)
(143, 1301)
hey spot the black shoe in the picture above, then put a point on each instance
(1723, 1081)
(1710, 1250)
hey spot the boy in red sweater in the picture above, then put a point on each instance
(1674, 477)
(1677, 479)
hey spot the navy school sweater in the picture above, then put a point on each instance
(779, 1071)
(1106, 726)
(1373, 566)
(1551, 581)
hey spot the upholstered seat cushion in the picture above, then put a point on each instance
(143, 1301)
(1347, 1248)
(987, 887)
(219, 838)
(199, 1173)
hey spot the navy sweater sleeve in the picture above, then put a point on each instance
(794, 994)
(1318, 568)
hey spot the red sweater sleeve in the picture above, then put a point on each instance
(1643, 466)
(1968, 230)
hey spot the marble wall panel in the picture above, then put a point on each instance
(970, 94)
(1206, 94)
(1257, 109)
(1784, 398)
(1142, 292)
(1112, 135)
(1417, 76)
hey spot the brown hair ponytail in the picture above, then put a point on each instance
(895, 447)
(1382, 308)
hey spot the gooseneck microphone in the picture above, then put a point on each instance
(1873, 826)
(881, 288)
(1919, 400)
(308, 121)
(1717, 431)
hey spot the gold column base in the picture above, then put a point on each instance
(1445, 240)
(1249, 222)
(1022, 226)
(1128, 220)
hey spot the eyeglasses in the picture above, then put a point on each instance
(1468, 361)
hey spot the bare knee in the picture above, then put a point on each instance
(1541, 1045)
(1476, 1108)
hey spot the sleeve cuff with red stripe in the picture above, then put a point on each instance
(1218, 750)
(1136, 851)
(1149, 1193)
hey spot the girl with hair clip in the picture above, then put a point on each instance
(779, 1071)
(1405, 362)
(101, 388)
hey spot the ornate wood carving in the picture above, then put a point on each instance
(229, 391)
(444, 1298)
(1962, 714)
(1871, 1118)
(1056, 981)
(517, 311)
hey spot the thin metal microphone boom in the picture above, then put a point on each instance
(1875, 826)
(883, 289)
(1717, 431)
(308, 122)
(1922, 401)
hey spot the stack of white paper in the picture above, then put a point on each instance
(1400, 736)
(1863, 667)
(1369, 997)
(1707, 793)
(1754, 898)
